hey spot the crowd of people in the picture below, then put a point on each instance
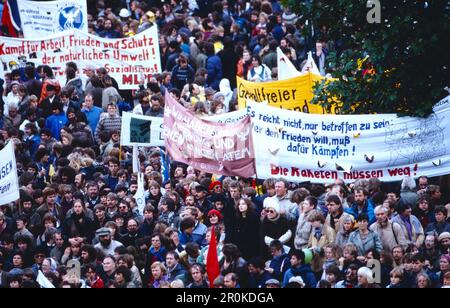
(77, 187)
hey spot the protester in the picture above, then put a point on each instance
(79, 192)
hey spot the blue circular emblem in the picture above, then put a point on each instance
(70, 17)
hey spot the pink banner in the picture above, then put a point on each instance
(217, 148)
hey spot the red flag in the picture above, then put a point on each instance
(212, 261)
(8, 18)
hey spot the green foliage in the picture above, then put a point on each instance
(408, 52)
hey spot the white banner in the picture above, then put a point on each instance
(127, 60)
(321, 148)
(9, 182)
(140, 130)
(44, 18)
(286, 69)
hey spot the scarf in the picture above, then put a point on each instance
(318, 233)
(408, 226)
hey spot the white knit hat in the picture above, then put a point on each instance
(271, 202)
(367, 273)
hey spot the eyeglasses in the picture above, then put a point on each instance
(270, 211)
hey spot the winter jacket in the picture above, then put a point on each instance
(417, 233)
(54, 123)
(173, 273)
(372, 241)
(302, 232)
(368, 208)
(390, 235)
(246, 235)
(327, 237)
(438, 228)
(280, 264)
(214, 68)
(182, 76)
(198, 235)
(79, 226)
(305, 272)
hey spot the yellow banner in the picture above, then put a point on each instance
(293, 94)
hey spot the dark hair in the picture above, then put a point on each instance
(187, 223)
(71, 73)
(170, 204)
(362, 216)
(175, 255)
(440, 209)
(276, 244)
(209, 49)
(312, 200)
(47, 70)
(334, 199)
(418, 257)
(257, 58)
(125, 271)
(257, 262)
(299, 254)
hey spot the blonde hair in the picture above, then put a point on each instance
(159, 265)
(177, 284)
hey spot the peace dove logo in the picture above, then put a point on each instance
(70, 17)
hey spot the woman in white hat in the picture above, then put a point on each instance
(274, 226)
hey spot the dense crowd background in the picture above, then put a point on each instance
(77, 185)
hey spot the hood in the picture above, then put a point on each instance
(225, 87)
(76, 82)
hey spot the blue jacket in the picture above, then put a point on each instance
(303, 271)
(280, 265)
(214, 68)
(258, 281)
(368, 209)
(198, 235)
(54, 123)
(111, 181)
(93, 116)
(33, 144)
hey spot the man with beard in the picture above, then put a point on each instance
(80, 180)
(397, 255)
(431, 251)
(106, 244)
(93, 197)
(362, 205)
(111, 204)
(174, 268)
(77, 224)
(130, 238)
